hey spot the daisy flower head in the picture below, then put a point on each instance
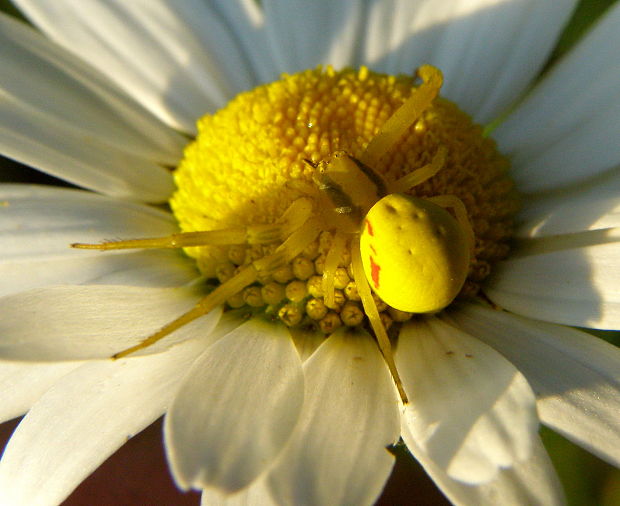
(350, 260)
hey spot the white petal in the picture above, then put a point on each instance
(40, 76)
(236, 409)
(83, 160)
(488, 50)
(576, 286)
(470, 410)
(304, 34)
(257, 494)
(86, 322)
(179, 60)
(246, 20)
(575, 375)
(83, 419)
(533, 481)
(564, 132)
(145, 268)
(22, 383)
(37, 225)
(593, 206)
(337, 454)
(62, 117)
(306, 341)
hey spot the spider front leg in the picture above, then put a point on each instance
(297, 213)
(422, 174)
(288, 250)
(298, 223)
(460, 211)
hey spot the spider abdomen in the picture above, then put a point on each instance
(415, 254)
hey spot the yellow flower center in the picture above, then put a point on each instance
(260, 154)
(339, 198)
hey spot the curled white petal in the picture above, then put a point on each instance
(470, 410)
(84, 418)
(575, 375)
(256, 494)
(337, 454)
(22, 383)
(533, 481)
(236, 409)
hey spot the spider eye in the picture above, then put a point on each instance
(415, 254)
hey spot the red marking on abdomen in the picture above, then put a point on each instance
(369, 227)
(374, 272)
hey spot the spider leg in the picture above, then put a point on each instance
(405, 116)
(331, 264)
(456, 204)
(420, 175)
(289, 249)
(297, 213)
(372, 312)
(352, 184)
(297, 223)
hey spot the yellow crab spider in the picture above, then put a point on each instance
(412, 252)
(415, 255)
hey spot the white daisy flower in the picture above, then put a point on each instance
(260, 348)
